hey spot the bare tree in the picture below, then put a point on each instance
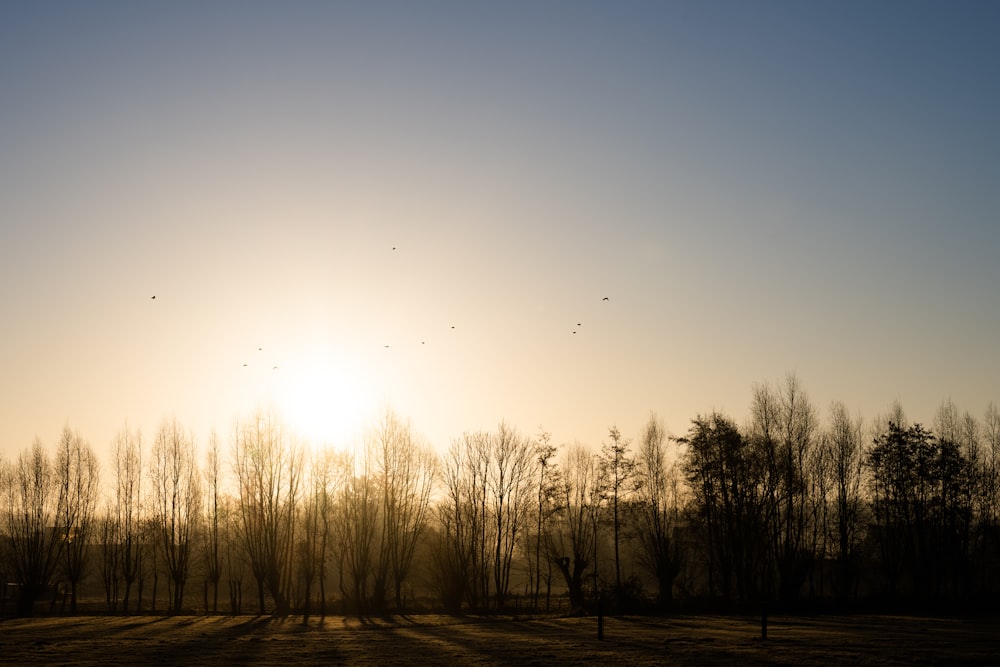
(357, 517)
(126, 457)
(461, 561)
(658, 509)
(109, 537)
(572, 537)
(617, 470)
(843, 444)
(79, 485)
(29, 513)
(509, 484)
(212, 546)
(323, 473)
(235, 555)
(988, 493)
(268, 465)
(308, 548)
(177, 503)
(783, 430)
(544, 454)
(405, 470)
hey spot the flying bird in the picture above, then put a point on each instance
(275, 368)
(153, 297)
(604, 299)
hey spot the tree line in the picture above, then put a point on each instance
(785, 509)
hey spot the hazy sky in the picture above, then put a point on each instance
(756, 187)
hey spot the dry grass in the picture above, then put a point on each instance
(447, 640)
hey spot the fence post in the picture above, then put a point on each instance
(600, 617)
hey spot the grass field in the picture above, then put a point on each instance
(447, 640)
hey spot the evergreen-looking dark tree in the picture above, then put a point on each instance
(723, 473)
(922, 503)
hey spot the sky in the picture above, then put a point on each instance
(563, 215)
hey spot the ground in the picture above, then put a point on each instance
(448, 640)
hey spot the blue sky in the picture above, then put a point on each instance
(759, 188)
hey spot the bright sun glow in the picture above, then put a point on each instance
(327, 403)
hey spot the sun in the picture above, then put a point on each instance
(326, 403)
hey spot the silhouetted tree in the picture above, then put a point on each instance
(921, 499)
(544, 453)
(461, 516)
(324, 471)
(617, 470)
(724, 474)
(308, 548)
(987, 498)
(79, 485)
(843, 444)
(29, 514)
(211, 541)
(109, 538)
(177, 504)
(572, 536)
(462, 554)
(405, 469)
(509, 484)
(126, 464)
(268, 466)
(357, 517)
(658, 509)
(783, 435)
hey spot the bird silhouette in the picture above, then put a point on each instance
(153, 297)
(244, 365)
(275, 368)
(604, 299)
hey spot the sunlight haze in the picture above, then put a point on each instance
(565, 215)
